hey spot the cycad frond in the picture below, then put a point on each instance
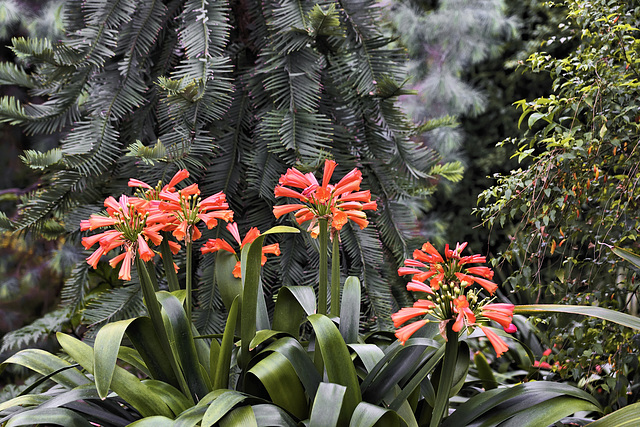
(114, 304)
(42, 328)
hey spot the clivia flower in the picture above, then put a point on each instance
(451, 296)
(338, 203)
(132, 226)
(215, 245)
(184, 207)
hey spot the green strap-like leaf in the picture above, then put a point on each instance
(627, 255)
(155, 421)
(123, 383)
(182, 343)
(271, 415)
(585, 310)
(327, 405)
(291, 305)
(484, 372)
(46, 363)
(175, 400)
(133, 358)
(484, 403)
(105, 350)
(350, 310)
(301, 363)
(368, 415)
(55, 416)
(24, 401)
(280, 380)
(251, 266)
(242, 416)
(143, 336)
(337, 362)
(418, 377)
(230, 287)
(550, 411)
(221, 407)
(629, 416)
(223, 366)
(447, 372)
(369, 354)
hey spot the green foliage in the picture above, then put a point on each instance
(372, 381)
(577, 188)
(236, 94)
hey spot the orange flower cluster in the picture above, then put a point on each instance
(450, 295)
(215, 245)
(135, 221)
(337, 203)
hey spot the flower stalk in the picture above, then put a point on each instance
(323, 240)
(335, 276)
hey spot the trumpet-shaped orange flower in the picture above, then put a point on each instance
(337, 203)
(450, 294)
(133, 225)
(215, 245)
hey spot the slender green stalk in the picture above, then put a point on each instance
(449, 362)
(153, 307)
(322, 288)
(335, 276)
(167, 261)
(188, 280)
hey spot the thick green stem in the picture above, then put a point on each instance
(335, 276)
(167, 261)
(188, 280)
(153, 307)
(322, 288)
(446, 376)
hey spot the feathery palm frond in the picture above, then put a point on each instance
(236, 93)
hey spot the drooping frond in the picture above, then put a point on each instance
(37, 160)
(114, 304)
(41, 328)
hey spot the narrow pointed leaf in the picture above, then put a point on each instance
(105, 350)
(350, 310)
(46, 363)
(549, 412)
(327, 405)
(123, 383)
(585, 310)
(627, 255)
(271, 415)
(223, 366)
(175, 400)
(242, 416)
(182, 343)
(368, 415)
(220, 407)
(155, 421)
(292, 303)
(337, 362)
(279, 378)
(54, 416)
(628, 416)
(301, 363)
(230, 287)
